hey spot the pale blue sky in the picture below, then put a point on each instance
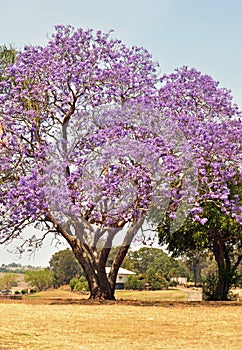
(204, 34)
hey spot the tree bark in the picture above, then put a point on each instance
(224, 269)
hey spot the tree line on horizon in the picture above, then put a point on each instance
(154, 268)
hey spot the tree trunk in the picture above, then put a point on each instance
(101, 286)
(223, 285)
(95, 273)
(224, 270)
(195, 272)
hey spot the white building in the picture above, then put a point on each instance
(179, 280)
(122, 276)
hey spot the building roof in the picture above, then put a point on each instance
(121, 271)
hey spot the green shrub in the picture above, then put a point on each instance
(73, 282)
(209, 289)
(135, 283)
(79, 284)
(155, 280)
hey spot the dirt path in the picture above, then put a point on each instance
(192, 295)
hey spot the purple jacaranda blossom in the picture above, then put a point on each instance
(211, 122)
(55, 111)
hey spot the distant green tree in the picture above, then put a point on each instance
(64, 266)
(41, 279)
(157, 259)
(154, 268)
(8, 280)
(197, 264)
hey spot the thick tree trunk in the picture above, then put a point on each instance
(95, 273)
(224, 270)
(100, 291)
(223, 285)
(101, 286)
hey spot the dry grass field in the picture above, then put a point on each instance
(151, 296)
(61, 320)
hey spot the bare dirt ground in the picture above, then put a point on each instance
(192, 294)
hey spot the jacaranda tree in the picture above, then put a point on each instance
(90, 147)
(84, 151)
(212, 124)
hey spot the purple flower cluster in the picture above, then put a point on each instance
(212, 125)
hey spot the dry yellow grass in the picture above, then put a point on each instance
(33, 324)
(157, 295)
(150, 296)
